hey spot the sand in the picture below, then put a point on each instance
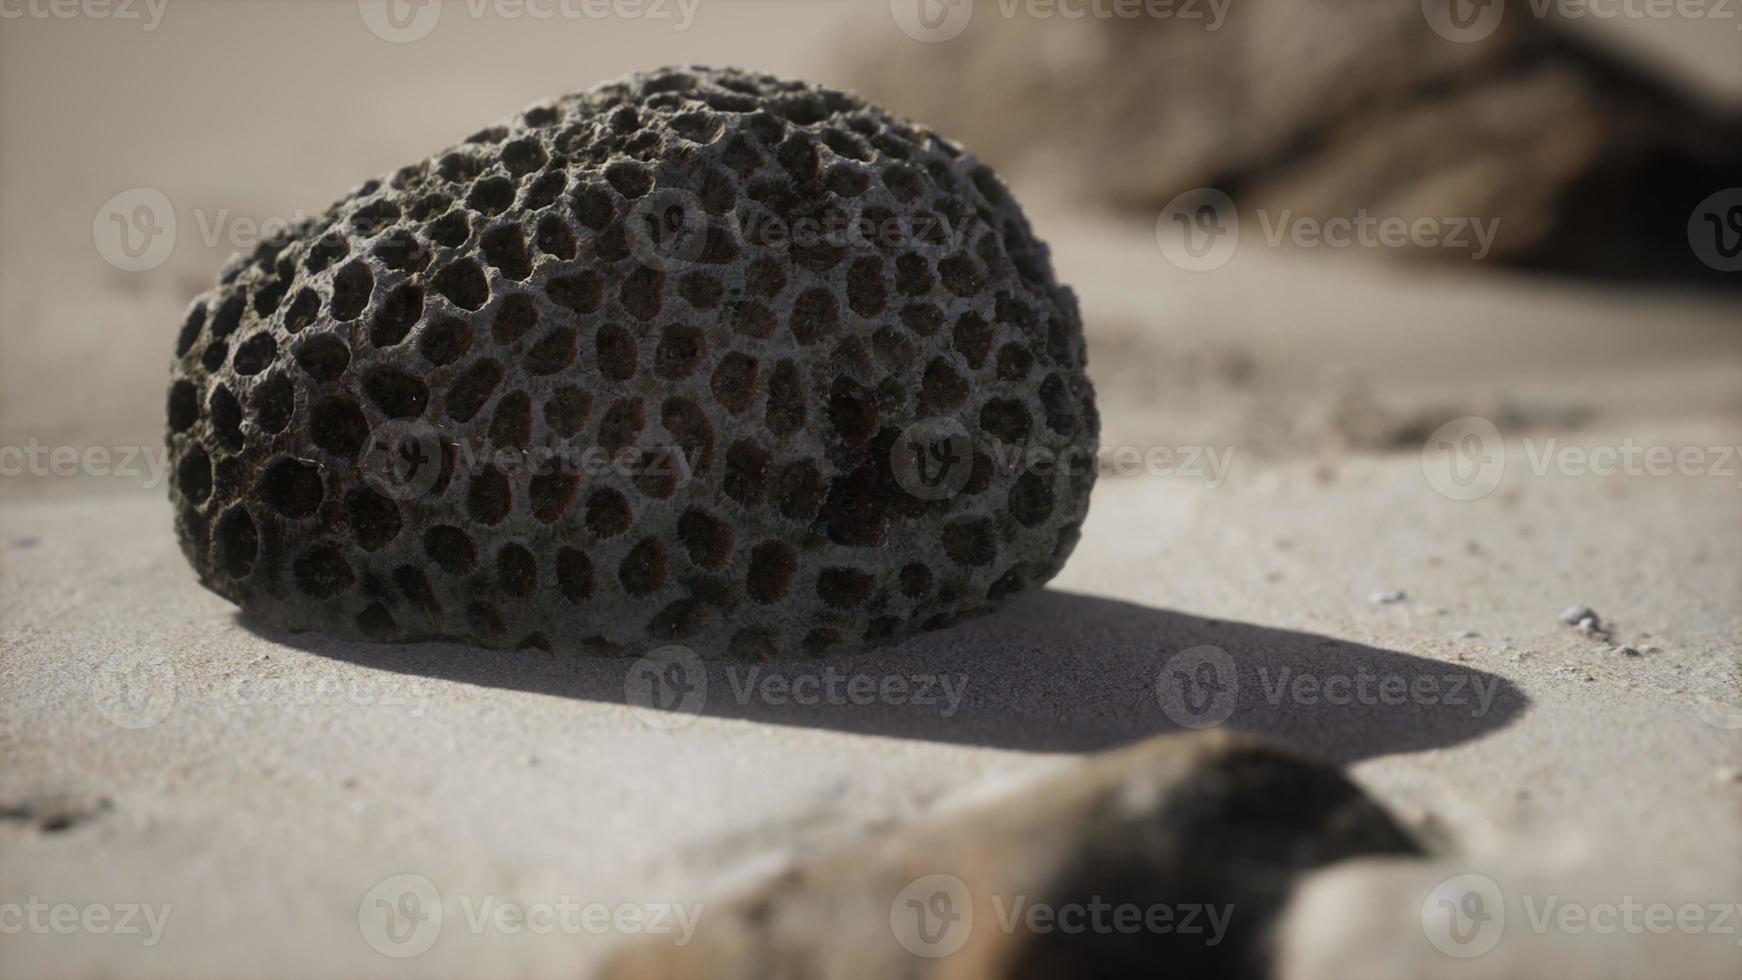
(254, 790)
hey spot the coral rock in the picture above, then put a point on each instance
(698, 357)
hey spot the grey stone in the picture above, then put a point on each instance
(698, 357)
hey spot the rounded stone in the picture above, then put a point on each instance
(693, 357)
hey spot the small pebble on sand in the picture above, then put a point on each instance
(1584, 617)
(1386, 597)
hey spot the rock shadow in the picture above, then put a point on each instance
(1052, 672)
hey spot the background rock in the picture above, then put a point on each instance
(1215, 823)
(1323, 108)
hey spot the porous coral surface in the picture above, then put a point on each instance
(697, 357)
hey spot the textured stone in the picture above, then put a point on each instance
(699, 357)
(1213, 829)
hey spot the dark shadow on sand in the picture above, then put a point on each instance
(1052, 672)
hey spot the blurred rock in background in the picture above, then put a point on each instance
(1181, 832)
(1591, 155)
